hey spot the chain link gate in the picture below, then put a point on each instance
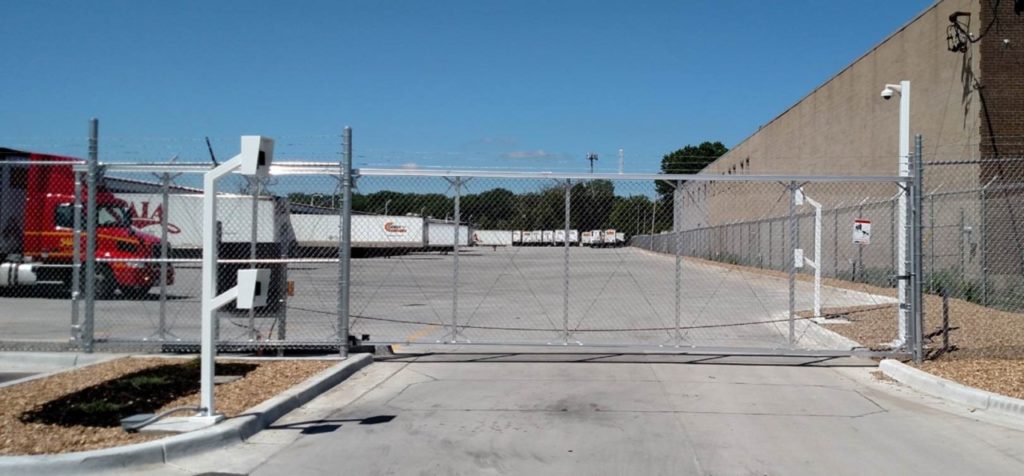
(692, 263)
(607, 260)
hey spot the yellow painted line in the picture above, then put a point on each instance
(421, 333)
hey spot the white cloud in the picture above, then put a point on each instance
(532, 154)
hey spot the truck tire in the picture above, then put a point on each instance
(105, 282)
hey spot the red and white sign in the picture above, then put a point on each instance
(861, 232)
(394, 228)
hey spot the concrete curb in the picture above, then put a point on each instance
(949, 390)
(233, 430)
(46, 364)
(47, 361)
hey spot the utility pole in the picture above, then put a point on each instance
(592, 157)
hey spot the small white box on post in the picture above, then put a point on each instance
(254, 159)
(257, 153)
(253, 285)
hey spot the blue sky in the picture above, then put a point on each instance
(470, 84)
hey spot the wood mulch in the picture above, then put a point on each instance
(989, 343)
(79, 410)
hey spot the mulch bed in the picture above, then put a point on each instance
(80, 409)
(989, 343)
(977, 332)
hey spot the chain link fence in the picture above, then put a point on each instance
(436, 258)
(774, 264)
(973, 238)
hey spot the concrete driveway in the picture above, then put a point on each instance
(622, 414)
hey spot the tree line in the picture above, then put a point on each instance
(593, 206)
(594, 203)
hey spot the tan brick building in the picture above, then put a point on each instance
(965, 62)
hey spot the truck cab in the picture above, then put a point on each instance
(46, 217)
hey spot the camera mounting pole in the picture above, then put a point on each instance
(903, 89)
(253, 160)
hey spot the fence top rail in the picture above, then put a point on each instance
(404, 172)
(333, 168)
(277, 168)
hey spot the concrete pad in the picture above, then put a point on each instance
(9, 376)
(183, 424)
(576, 418)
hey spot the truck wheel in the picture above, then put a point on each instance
(105, 283)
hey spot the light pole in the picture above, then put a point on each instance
(903, 89)
(388, 202)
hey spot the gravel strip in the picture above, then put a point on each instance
(978, 332)
(1002, 376)
(25, 438)
(989, 342)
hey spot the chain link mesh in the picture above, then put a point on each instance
(483, 259)
(973, 233)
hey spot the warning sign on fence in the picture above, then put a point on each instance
(861, 231)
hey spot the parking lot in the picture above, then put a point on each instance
(616, 296)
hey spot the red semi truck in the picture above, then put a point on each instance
(36, 229)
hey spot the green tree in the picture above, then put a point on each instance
(688, 160)
(632, 215)
(592, 203)
(495, 208)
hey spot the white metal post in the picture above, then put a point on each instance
(901, 223)
(208, 348)
(816, 264)
(210, 300)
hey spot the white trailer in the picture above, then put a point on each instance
(441, 235)
(585, 239)
(548, 237)
(574, 237)
(492, 238)
(185, 221)
(517, 237)
(620, 238)
(596, 238)
(532, 238)
(368, 231)
(609, 238)
(559, 238)
(275, 238)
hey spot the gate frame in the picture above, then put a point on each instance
(908, 184)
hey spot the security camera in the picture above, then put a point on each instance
(887, 93)
(257, 153)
